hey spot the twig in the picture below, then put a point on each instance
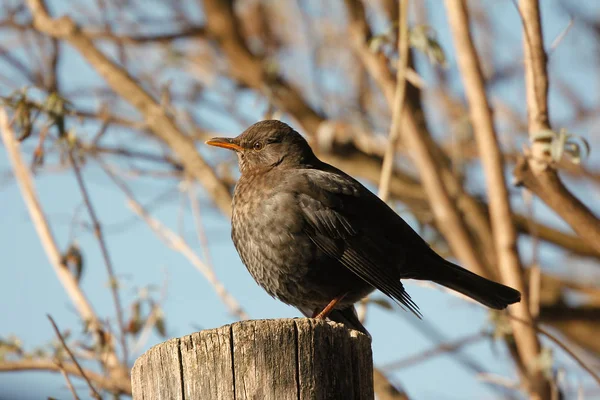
(535, 283)
(67, 380)
(560, 344)
(447, 347)
(535, 271)
(499, 380)
(398, 106)
(151, 320)
(561, 36)
(113, 283)
(161, 160)
(145, 331)
(536, 76)
(93, 390)
(198, 223)
(158, 38)
(503, 230)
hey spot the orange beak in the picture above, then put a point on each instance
(226, 143)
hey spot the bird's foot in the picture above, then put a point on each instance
(323, 314)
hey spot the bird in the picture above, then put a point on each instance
(315, 238)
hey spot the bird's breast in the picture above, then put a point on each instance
(269, 233)
(266, 231)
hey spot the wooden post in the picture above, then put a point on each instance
(264, 359)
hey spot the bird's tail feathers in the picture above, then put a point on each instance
(480, 289)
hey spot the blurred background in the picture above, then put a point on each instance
(109, 118)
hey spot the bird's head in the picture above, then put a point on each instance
(267, 144)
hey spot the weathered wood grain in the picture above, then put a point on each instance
(299, 359)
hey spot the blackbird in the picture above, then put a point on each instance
(315, 238)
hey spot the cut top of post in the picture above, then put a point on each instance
(260, 359)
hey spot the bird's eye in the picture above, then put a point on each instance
(258, 146)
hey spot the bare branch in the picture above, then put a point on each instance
(159, 38)
(112, 384)
(398, 106)
(223, 26)
(503, 230)
(23, 176)
(548, 186)
(40, 222)
(125, 85)
(535, 171)
(448, 219)
(536, 75)
(569, 242)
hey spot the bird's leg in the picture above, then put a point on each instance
(328, 308)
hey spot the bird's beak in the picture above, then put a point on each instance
(225, 143)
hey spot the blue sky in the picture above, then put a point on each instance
(29, 289)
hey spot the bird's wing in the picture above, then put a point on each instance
(321, 200)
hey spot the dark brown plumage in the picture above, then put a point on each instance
(308, 233)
